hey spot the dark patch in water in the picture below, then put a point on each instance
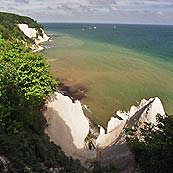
(75, 93)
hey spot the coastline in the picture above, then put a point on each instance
(115, 79)
(68, 126)
(34, 34)
(109, 146)
(54, 105)
(64, 111)
(75, 93)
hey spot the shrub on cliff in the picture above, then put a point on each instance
(153, 150)
(25, 83)
(9, 28)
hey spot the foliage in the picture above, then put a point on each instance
(9, 28)
(25, 83)
(153, 150)
(35, 153)
(97, 167)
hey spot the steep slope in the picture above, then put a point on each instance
(110, 146)
(25, 83)
(9, 25)
(38, 36)
(23, 28)
(145, 112)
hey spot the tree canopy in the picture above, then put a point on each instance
(25, 80)
(25, 83)
(9, 28)
(153, 148)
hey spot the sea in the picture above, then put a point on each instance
(113, 65)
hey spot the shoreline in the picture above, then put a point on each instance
(112, 83)
(69, 127)
(34, 34)
(75, 93)
(64, 109)
(62, 114)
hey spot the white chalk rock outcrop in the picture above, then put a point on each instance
(41, 39)
(145, 112)
(29, 32)
(34, 34)
(72, 115)
(68, 127)
(107, 139)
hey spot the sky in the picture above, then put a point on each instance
(101, 11)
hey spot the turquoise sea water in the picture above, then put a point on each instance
(118, 64)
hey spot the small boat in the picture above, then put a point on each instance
(115, 26)
(95, 27)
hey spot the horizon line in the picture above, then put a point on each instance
(118, 23)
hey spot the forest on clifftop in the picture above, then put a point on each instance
(25, 83)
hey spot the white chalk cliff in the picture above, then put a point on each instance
(72, 115)
(145, 112)
(34, 34)
(68, 126)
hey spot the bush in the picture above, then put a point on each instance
(9, 28)
(25, 82)
(153, 150)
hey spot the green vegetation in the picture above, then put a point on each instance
(9, 28)
(25, 83)
(154, 151)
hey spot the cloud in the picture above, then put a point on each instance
(22, 1)
(125, 11)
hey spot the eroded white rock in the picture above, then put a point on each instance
(145, 112)
(156, 107)
(107, 139)
(71, 115)
(34, 34)
(29, 32)
(68, 127)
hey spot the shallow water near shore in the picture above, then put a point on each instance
(116, 67)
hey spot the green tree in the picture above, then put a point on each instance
(153, 148)
(10, 30)
(25, 82)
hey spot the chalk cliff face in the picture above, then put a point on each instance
(34, 34)
(68, 126)
(72, 115)
(145, 112)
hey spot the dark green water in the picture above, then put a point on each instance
(118, 65)
(149, 39)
